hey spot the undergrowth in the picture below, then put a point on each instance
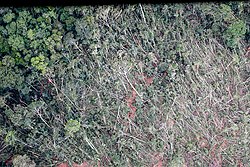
(136, 85)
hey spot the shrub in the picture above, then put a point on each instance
(23, 161)
(235, 31)
(72, 126)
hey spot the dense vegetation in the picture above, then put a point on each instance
(128, 85)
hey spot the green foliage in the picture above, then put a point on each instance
(11, 77)
(226, 13)
(4, 44)
(11, 28)
(30, 34)
(30, 37)
(234, 33)
(8, 61)
(72, 126)
(7, 18)
(39, 63)
(10, 138)
(16, 42)
(177, 161)
(223, 18)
